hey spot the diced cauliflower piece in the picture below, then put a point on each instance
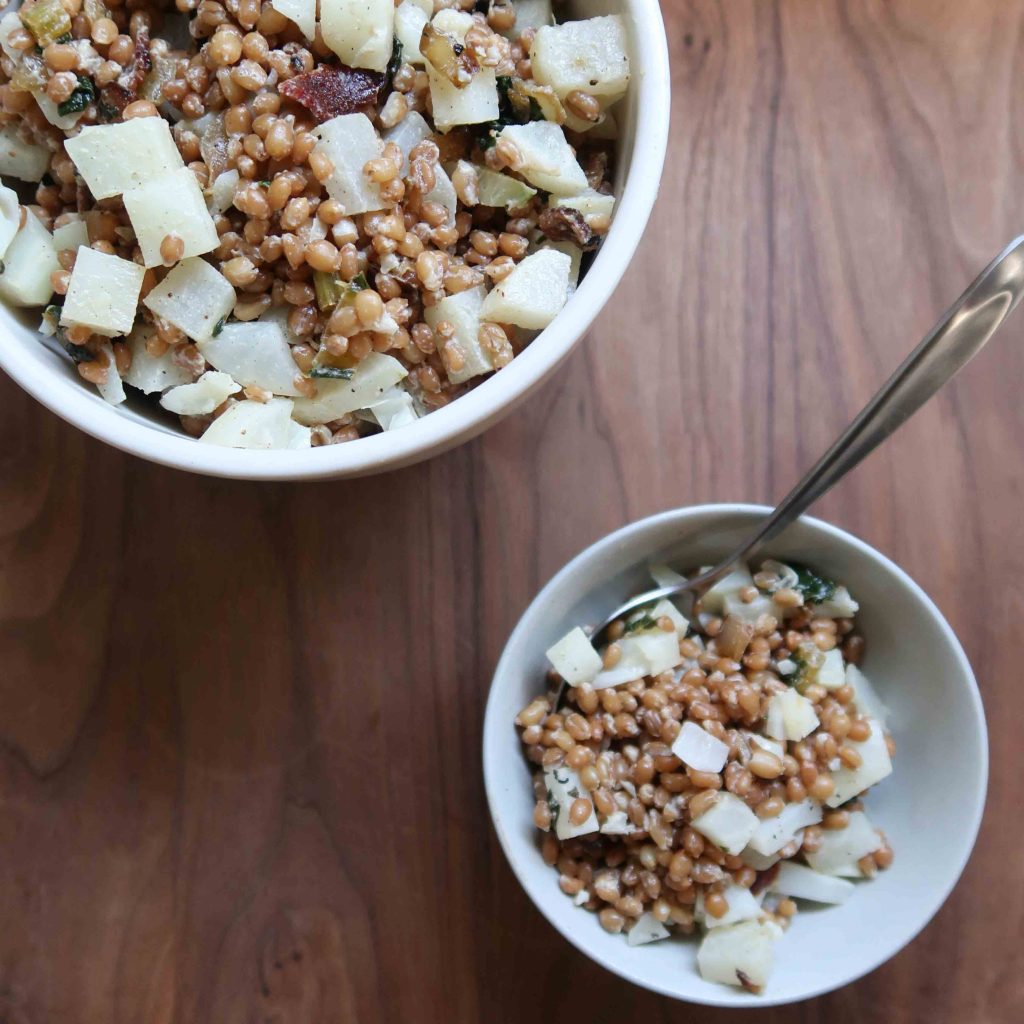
(807, 884)
(114, 158)
(574, 658)
(103, 293)
(740, 954)
(563, 787)
(533, 294)
(875, 765)
(646, 929)
(258, 425)
(548, 160)
(256, 354)
(194, 297)
(27, 265)
(360, 32)
(772, 834)
(729, 823)
(591, 56)
(350, 143)
(463, 312)
(791, 716)
(699, 750)
(840, 849)
(373, 377)
(152, 373)
(212, 389)
(173, 204)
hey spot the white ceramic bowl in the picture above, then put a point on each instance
(140, 428)
(930, 807)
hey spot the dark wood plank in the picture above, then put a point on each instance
(239, 724)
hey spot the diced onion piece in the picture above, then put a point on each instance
(114, 158)
(501, 190)
(831, 673)
(865, 697)
(743, 906)
(749, 611)
(806, 884)
(667, 610)
(360, 32)
(791, 716)
(632, 664)
(590, 56)
(27, 265)
(729, 823)
(10, 217)
(172, 204)
(72, 235)
(256, 354)
(20, 159)
(112, 389)
(772, 834)
(410, 20)
(660, 649)
(258, 425)
(394, 409)
(713, 599)
(646, 929)
(103, 293)
(574, 658)
(463, 312)
(563, 787)
(548, 160)
(195, 298)
(533, 294)
(737, 952)
(200, 398)
(301, 12)
(698, 749)
(840, 849)
(875, 765)
(374, 376)
(222, 192)
(350, 143)
(758, 861)
(152, 373)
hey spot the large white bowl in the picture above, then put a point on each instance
(930, 807)
(139, 428)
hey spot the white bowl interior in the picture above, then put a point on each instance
(930, 807)
(140, 426)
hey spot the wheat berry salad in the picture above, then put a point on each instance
(295, 223)
(707, 776)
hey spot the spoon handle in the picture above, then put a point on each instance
(955, 339)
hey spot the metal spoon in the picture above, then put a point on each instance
(950, 345)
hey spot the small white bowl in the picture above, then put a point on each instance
(143, 429)
(930, 807)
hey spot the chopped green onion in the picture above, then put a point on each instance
(331, 290)
(331, 373)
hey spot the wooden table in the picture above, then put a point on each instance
(240, 724)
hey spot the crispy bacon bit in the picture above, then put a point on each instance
(327, 92)
(744, 979)
(565, 224)
(119, 94)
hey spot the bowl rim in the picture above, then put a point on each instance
(446, 427)
(601, 547)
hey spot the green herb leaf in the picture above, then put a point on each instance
(643, 621)
(84, 94)
(814, 588)
(219, 326)
(331, 373)
(78, 353)
(393, 65)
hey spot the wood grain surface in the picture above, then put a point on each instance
(240, 724)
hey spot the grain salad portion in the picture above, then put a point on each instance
(707, 776)
(295, 223)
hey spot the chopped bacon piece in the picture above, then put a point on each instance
(565, 224)
(327, 92)
(119, 94)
